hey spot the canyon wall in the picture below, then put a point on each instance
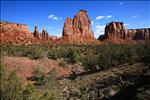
(116, 30)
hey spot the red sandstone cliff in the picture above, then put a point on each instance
(116, 33)
(17, 34)
(78, 29)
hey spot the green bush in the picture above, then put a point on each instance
(62, 64)
(90, 62)
(42, 78)
(34, 52)
(28, 92)
(145, 54)
(72, 56)
(52, 54)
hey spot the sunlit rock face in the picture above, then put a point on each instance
(43, 36)
(15, 33)
(78, 28)
(116, 30)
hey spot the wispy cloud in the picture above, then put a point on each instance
(99, 30)
(92, 22)
(53, 17)
(127, 24)
(109, 16)
(102, 17)
(121, 3)
(135, 16)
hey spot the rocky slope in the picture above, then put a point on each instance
(116, 32)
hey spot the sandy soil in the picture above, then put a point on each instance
(25, 66)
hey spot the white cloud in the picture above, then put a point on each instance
(99, 30)
(135, 16)
(50, 16)
(102, 17)
(121, 3)
(53, 17)
(109, 16)
(127, 24)
(92, 22)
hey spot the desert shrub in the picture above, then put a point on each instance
(43, 78)
(11, 87)
(90, 62)
(48, 96)
(145, 53)
(13, 50)
(52, 54)
(128, 55)
(107, 57)
(34, 52)
(72, 56)
(62, 63)
(31, 51)
(28, 92)
(57, 53)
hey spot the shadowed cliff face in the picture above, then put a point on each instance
(116, 30)
(78, 28)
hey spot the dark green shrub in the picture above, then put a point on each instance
(62, 64)
(34, 52)
(90, 62)
(28, 93)
(52, 54)
(48, 96)
(11, 87)
(146, 54)
(72, 56)
(42, 78)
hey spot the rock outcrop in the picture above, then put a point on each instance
(40, 36)
(44, 35)
(117, 31)
(36, 33)
(15, 33)
(78, 29)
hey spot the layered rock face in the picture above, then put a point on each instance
(116, 30)
(15, 33)
(78, 28)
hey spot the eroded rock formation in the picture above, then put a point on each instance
(116, 30)
(15, 33)
(78, 28)
(43, 36)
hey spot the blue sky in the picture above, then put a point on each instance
(51, 15)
